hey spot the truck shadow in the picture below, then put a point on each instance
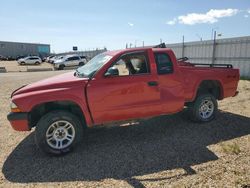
(161, 143)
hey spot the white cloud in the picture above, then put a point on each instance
(172, 22)
(248, 11)
(246, 16)
(130, 24)
(211, 16)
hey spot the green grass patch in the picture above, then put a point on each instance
(231, 148)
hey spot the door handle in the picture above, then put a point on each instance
(153, 83)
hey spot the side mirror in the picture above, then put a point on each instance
(112, 71)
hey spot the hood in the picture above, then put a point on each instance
(21, 59)
(58, 60)
(60, 81)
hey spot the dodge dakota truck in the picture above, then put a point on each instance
(117, 86)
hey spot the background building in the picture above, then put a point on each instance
(15, 49)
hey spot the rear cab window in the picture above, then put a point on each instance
(163, 63)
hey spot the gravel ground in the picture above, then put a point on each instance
(167, 151)
(12, 66)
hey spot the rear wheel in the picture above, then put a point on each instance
(61, 67)
(58, 132)
(37, 63)
(204, 108)
(22, 63)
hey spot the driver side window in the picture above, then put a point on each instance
(132, 64)
(121, 66)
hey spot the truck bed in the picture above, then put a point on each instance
(226, 76)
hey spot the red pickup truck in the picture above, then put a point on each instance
(118, 86)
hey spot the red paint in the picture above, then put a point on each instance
(106, 99)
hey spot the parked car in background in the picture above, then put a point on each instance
(2, 58)
(50, 58)
(10, 58)
(68, 61)
(30, 60)
(84, 58)
(20, 57)
(57, 58)
(44, 59)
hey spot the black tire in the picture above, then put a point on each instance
(37, 63)
(81, 64)
(22, 63)
(61, 67)
(195, 110)
(45, 124)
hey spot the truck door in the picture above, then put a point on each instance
(170, 83)
(131, 92)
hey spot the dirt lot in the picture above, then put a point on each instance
(167, 151)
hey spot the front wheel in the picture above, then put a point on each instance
(81, 64)
(204, 108)
(58, 132)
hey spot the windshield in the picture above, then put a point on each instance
(93, 65)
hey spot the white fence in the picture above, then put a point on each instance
(235, 51)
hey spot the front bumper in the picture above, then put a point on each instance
(19, 121)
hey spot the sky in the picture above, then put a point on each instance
(113, 23)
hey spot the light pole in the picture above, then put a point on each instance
(135, 43)
(199, 37)
(214, 46)
(212, 34)
(183, 46)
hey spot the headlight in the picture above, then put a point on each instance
(14, 108)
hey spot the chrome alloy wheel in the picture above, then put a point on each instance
(206, 109)
(60, 134)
